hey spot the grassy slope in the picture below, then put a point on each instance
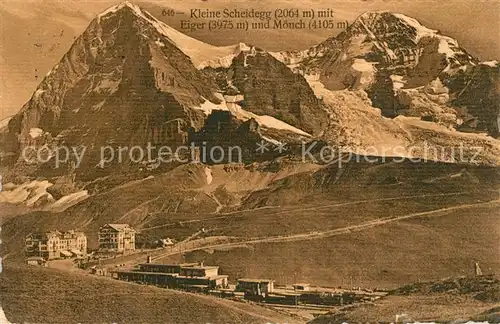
(455, 299)
(424, 248)
(392, 254)
(442, 308)
(38, 295)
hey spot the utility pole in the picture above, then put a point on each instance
(477, 270)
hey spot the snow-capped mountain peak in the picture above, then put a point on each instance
(381, 23)
(201, 54)
(115, 8)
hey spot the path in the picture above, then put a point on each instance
(284, 211)
(327, 233)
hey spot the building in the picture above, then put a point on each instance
(164, 268)
(55, 244)
(201, 277)
(166, 242)
(255, 286)
(116, 238)
(187, 276)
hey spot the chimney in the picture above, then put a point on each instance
(148, 260)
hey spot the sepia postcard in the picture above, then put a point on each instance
(266, 162)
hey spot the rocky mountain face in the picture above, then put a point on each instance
(130, 79)
(479, 99)
(393, 57)
(270, 88)
(122, 80)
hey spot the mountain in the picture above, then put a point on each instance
(130, 80)
(392, 56)
(387, 178)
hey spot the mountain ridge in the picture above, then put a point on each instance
(127, 59)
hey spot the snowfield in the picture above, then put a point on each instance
(236, 110)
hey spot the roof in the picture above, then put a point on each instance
(61, 235)
(301, 284)
(254, 280)
(70, 233)
(119, 227)
(218, 277)
(169, 265)
(66, 253)
(149, 273)
(203, 278)
(195, 286)
(201, 267)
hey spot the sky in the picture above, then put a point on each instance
(35, 34)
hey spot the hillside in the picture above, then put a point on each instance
(454, 299)
(444, 210)
(423, 248)
(71, 298)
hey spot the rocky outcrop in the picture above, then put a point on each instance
(268, 87)
(479, 100)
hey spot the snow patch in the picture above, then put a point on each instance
(157, 42)
(38, 92)
(207, 107)
(208, 173)
(98, 106)
(444, 46)
(398, 82)
(272, 141)
(54, 69)
(27, 194)
(4, 122)
(229, 104)
(271, 122)
(67, 201)
(107, 86)
(117, 7)
(422, 31)
(490, 63)
(362, 65)
(291, 58)
(35, 132)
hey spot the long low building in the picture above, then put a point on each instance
(189, 276)
(164, 268)
(153, 278)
